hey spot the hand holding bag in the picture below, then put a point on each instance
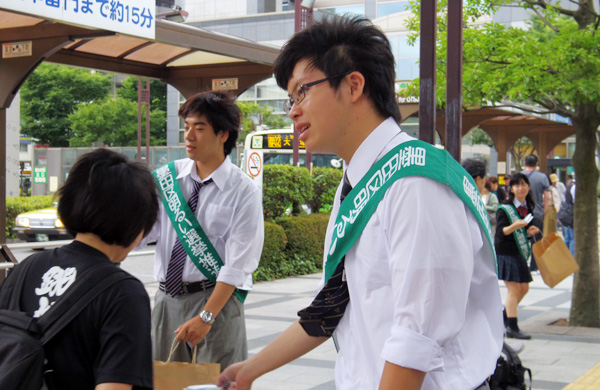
(553, 259)
(178, 375)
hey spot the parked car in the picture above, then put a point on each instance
(40, 225)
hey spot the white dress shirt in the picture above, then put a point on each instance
(230, 213)
(423, 287)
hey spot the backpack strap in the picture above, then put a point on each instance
(94, 281)
(10, 297)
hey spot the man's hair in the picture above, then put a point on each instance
(220, 111)
(493, 180)
(110, 196)
(531, 160)
(475, 168)
(338, 45)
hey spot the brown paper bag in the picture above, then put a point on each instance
(549, 221)
(554, 259)
(178, 375)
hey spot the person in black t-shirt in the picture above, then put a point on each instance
(108, 203)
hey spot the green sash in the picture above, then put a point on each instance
(413, 158)
(520, 234)
(188, 229)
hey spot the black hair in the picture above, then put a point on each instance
(475, 168)
(110, 196)
(338, 45)
(220, 111)
(515, 179)
(531, 160)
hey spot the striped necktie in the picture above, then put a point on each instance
(174, 281)
(327, 309)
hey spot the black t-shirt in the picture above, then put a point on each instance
(109, 341)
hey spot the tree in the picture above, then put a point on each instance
(480, 137)
(269, 119)
(519, 150)
(51, 94)
(158, 92)
(553, 66)
(114, 123)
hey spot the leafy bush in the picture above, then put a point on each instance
(296, 265)
(306, 236)
(285, 187)
(274, 245)
(325, 182)
(17, 205)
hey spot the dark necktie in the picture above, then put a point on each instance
(522, 210)
(327, 309)
(174, 280)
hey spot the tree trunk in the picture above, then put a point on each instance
(585, 305)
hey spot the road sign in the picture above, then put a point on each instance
(255, 164)
(39, 175)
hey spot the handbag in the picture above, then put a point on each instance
(554, 259)
(179, 375)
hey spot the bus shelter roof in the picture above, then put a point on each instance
(186, 57)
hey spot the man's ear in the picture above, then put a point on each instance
(356, 81)
(223, 136)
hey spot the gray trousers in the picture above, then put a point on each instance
(225, 343)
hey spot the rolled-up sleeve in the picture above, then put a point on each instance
(243, 247)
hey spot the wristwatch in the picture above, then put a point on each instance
(207, 317)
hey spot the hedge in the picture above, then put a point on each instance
(17, 205)
(292, 247)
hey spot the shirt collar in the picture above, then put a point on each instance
(219, 175)
(517, 203)
(370, 149)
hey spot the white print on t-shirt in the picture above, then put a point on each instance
(54, 283)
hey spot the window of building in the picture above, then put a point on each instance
(385, 9)
(358, 10)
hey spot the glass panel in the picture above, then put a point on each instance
(178, 153)
(323, 160)
(270, 92)
(159, 156)
(181, 137)
(68, 157)
(129, 152)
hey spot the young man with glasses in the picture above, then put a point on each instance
(205, 253)
(410, 290)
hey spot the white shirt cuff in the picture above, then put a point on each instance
(231, 276)
(409, 349)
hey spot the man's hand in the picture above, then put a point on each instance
(193, 331)
(237, 375)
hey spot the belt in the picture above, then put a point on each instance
(190, 288)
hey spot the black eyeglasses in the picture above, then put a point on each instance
(298, 97)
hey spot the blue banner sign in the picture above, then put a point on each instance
(131, 17)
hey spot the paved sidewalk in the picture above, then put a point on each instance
(557, 355)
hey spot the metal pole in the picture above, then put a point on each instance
(297, 27)
(139, 143)
(147, 101)
(427, 106)
(454, 79)
(3, 175)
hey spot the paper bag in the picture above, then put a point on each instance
(554, 259)
(549, 221)
(178, 375)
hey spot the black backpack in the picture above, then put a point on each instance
(22, 337)
(510, 373)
